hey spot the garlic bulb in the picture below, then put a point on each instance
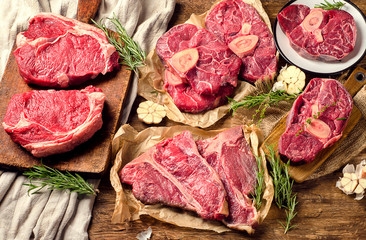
(290, 79)
(150, 112)
(353, 180)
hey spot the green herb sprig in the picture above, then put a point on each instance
(258, 192)
(263, 101)
(290, 214)
(316, 116)
(55, 179)
(328, 6)
(282, 183)
(129, 51)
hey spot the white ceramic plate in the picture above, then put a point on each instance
(316, 66)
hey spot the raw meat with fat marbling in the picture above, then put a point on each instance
(58, 52)
(234, 21)
(47, 122)
(211, 78)
(230, 155)
(173, 173)
(316, 120)
(317, 33)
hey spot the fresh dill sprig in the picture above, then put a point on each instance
(54, 179)
(282, 184)
(129, 51)
(258, 192)
(328, 6)
(263, 101)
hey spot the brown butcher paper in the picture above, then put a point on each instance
(128, 144)
(151, 79)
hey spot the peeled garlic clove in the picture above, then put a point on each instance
(353, 176)
(347, 175)
(345, 181)
(350, 187)
(362, 182)
(354, 185)
(359, 189)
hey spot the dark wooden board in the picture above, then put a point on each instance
(301, 172)
(323, 212)
(90, 157)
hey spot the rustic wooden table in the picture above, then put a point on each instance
(324, 212)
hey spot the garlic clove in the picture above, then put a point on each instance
(363, 172)
(347, 188)
(347, 175)
(362, 182)
(354, 185)
(353, 176)
(359, 189)
(345, 181)
(279, 86)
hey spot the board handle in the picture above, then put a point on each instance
(87, 10)
(355, 81)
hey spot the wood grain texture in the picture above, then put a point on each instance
(87, 10)
(324, 212)
(90, 157)
(302, 172)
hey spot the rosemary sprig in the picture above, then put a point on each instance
(328, 6)
(258, 192)
(129, 51)
(263, 101)
(290, 214)
(56, 180)
(282, 184)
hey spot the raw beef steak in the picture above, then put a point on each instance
(174, 173)
(316, 120)
(230, 155)
(57, 52)
(47, 122)
(240, 26)
(200, 67)
(317, 33)
(187, 100)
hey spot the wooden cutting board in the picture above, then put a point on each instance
(90, 157)
(299, 173)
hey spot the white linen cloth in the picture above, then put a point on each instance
(58, 214)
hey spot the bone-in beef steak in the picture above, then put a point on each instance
(173, 173)
(57, 52)
(239, 25)
(316, 120)
(230, 155)
(317, 33)
(47, 122)
(200, 67)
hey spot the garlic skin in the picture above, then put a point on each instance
(353, 180)
(290, 79)
(150, 112)
(279, 86)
